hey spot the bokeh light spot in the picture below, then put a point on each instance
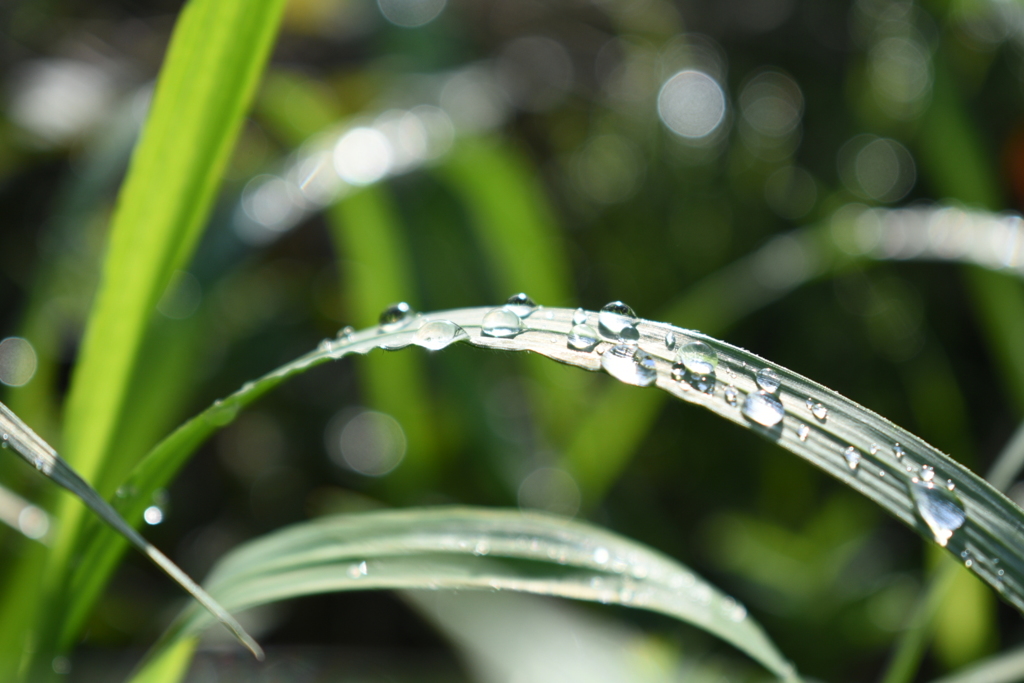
(691, 104)
(18, 361)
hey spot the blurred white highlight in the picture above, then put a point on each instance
(18, 361)
(691, 104)
(411, 13)
(363, 156)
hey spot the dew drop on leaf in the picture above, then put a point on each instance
(939, 508)
(802, 432)
(898, 451)
(731, 396)
(438, 334)
(629, 364)
(670, 340)
(521, 304)
(617, 320)
(768, 380)
(698, 358)
(819, 411)
(501, 322)
(852, 457)
(395, 317)
(579, 317)
(582, 338)
(763, 408)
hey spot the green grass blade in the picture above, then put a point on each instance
(477, 549)
(1007, 667)
(988, 537)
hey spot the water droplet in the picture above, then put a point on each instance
(763, 408)
(356, 571)
(582, 338)
(670, 340)
(819, 411)
(939, 508)
(601, 556)
(964, 554)
(698, 358)
(898, 451)
(579, 316)
(501, 322)
(927, 473)
(969, 563)
(395, 317)
(731, 396)
(617, 320)
(768, 380)
(521, 305)
(852, 456)
(802, 432)
(874, 449)
(438, 334)
(325, 345)
(950, 486)
(345, 333)
(481, 548)
(629, 364)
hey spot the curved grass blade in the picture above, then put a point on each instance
(870, 454)
(19, 437)
(476, 549)
(1006, 667)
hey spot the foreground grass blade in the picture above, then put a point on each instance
(20, 438)
(897, 470)
(479, 549)
(1007, 667)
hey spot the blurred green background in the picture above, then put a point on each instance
(453, 153)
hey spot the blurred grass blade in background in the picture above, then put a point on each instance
(475, 549)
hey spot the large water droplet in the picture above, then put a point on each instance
(698, 358)
(395, 317)
(521, 305)
(768, 380)
(501, 322)
(618, 320)
(629, 364)
(852, 456)
(670, 340)
(763, 408)
(582, 338)
(939, 508)
(438, 334)
(579, 316)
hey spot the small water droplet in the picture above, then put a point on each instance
(927, 473)
(617, 320)
(698, 358)
(768, 380)
(357, 571)
(819, 411)
(395, 317)
(582, 338)
(763, 408)
(852, 456)
(325, 345)
(481, 548)
(579, 316)
(629, 364)
(898, 451)
(670, 340)
(874, 449)
(521, 305)
(345, 333)
(501, 322)
(438, 334)
(969, 563)
(732, 396)
(939, 508)
(1000, 572)
(802, 432)
(223, 412)
(601, 556)
(964, 554)
(950, 486)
